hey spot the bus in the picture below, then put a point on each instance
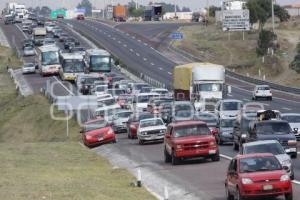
(98, 61)
(72, 64)
(48, 60)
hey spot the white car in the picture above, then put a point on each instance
(29, 51)
(294, 120)
(161, 91)
(152, 129)
(228, 108)
(262, 91)
(100, 90)
(141, 101)
(28, 68)
(120, 120)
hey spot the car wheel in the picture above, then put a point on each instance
(128, 134)
(168, 158)
(141, 142)
(288, 196)
(238, 195)
(235, 146)
(228, 195)
(220, 141)
(270, 98)
(216, 157)
(174, 159)
(294, 156)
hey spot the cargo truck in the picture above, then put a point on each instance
(39, 34)
(201, 83)
(153, 13)
(120, 13)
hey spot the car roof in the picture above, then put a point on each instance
(99, 119)
(101, 52)
(71, 56)
(187, 123)
(273, 121)
(262, 142)
(150, 119)
(231, 100)
(290, 114)
(254, 155)
(262, 86)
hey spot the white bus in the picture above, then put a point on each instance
(71, 65)
(98, 61)
(48, 60)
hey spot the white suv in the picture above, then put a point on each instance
(262, 91)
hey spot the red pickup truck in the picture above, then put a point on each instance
(189, 139)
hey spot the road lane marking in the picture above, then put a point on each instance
(296, 182)
(137, 54)
(152, 64)
(63, 85)
(160, 68)
(127, 34)
(169, 73)
(125, 45)
(265, 104)
(145, 44)
(133, 37)
(119, 42)
(246, 100)
(226, 157)
(131, 50)
(230, 95)
(139, 41)
(114, 38)
(284, 108)
(145, 59)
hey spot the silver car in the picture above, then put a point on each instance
(28, 68)
(120, 120)
(29, 51)
(294, 120)
(270, 146)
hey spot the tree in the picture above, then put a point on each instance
(86, 4)
(185, 9)
(135, 12)
(45, 10)
(281, 13)
(264, 42)
(260, 11)
(295, 65)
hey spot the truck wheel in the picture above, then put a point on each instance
(174, 159)
(294, 156)
(168, 158)
(216, 157)
(288, 196)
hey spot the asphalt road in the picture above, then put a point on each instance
(195, 176)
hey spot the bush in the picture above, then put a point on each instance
(295, 65)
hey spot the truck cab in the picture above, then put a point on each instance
(189, 139)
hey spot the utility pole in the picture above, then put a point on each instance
(175, 8)
(273, 20)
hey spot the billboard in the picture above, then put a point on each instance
(236, 20)
(57, 12)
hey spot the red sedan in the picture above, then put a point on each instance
(80, 17)
(134, 121)
(257, 176)
(97, 132)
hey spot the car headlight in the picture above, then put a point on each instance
(132, 126)
(246, 181)
(110, 131)
(178, 146)
(212, 143)
(144, 133)
(244, 136)
(162, 131)
(285, 177)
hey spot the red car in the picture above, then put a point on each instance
(257, 176)
(80, 17)
(134, 121)
(97, 132)
(189, 139)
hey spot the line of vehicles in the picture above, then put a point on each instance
(191, 122)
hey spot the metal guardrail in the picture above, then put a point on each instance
(274, 86)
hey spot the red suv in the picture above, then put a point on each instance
(189, 139)
(80, 17)
(134, 121)
(257, 175)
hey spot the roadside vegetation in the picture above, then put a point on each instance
(38, 161)
(211, 44)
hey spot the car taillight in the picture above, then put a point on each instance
(178, 147)
(214, 131)
(212, 143)
(88, 137)
(285, 178)
(132, 126)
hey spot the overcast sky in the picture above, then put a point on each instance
(193, 4)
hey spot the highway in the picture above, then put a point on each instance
(195, 176)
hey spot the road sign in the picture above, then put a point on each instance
(177, 36)
(236, 20)
(57, 12)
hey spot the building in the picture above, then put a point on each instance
(234, 4)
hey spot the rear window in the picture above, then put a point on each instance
(291, 118)
(227, 106)
(279, 128)
(263, 88)
(191, 130)
(273, 148)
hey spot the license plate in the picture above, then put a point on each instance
(268, 187)
(100, 139)
(293, 149)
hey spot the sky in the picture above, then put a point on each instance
(70, 4)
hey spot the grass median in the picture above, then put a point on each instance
(38, 160)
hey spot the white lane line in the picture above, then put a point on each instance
(137, 54)
(152, 64)
(160, 68)
(152, 48)
(265, 104)
(125, 45)
(131, 50)
(246, 100)
(114, 38)
(139, 41)
(230, 95)
(119, 42)
(127, 34)
(284, 108)
(298, 152)
(133, 37)
(226, 157)
(296, 182)
(169, 73)
(63, 85)
(145, 59)
(145, 44)
(109, 35)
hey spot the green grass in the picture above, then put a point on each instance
(38, 161)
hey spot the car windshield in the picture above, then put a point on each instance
(108, 102)
(152, 122)
(291, 118)
(143, 99)
(227, 123)
(274, 148)
(263, 88)
(124, 114)
(116, 92)
(259, 164)
(183, 106)
(101, 88)
(50, 58)
(90, 80)
(209, 119)
(191, 130)
(278, 128)
(28, 65)
(140, 86)
(95, 125)
(209, 87)
(184, 114)
(227, 106)
(146, 89)
(100, 63)
(71, 66)
(28, 48)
